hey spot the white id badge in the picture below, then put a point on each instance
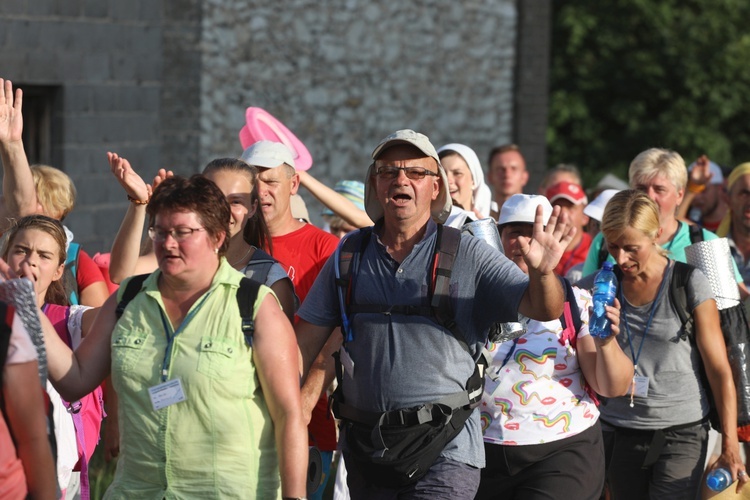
(346, 362)
(166, 394)
(641, 386)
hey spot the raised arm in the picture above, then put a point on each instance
(544, 297)
(19, 192)
(276, 358)
(125, 259)
(698, 179)
(333, 200)
(75, 374)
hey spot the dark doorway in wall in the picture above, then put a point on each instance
(39, 134)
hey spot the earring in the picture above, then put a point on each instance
(216, 251)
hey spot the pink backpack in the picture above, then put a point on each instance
(87, 412)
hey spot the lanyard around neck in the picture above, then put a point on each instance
(650, 317)
(170, 337)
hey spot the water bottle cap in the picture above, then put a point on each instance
(607, 265)
(713, 482)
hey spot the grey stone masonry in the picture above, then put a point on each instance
(104, 60)
(344, 74)
(165, 83)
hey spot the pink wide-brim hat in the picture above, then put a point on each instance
(260, 125)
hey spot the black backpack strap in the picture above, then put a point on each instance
(131, 290)
(247, 293)
(696, 233)
(446, 249)
(6, 318)
(603, 254)
(678, 295)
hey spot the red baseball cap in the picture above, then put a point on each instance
(568, 191)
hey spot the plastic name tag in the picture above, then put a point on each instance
(641, 386)
(166, 394)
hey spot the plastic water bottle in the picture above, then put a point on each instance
(605, 290)
(719, 479)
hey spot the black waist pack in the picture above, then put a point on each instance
(401, 447)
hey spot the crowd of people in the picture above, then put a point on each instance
(240, 348)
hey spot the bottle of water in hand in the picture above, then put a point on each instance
(718, 479)
(605, 290)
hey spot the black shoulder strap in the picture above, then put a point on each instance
(446, 249)
(247, 293)
(570, 301)
(131, 290)
(678, 295)
(696, 233)
(603, 254)
(5, 331)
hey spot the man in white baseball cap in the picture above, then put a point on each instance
(414, 327)
(302, 249)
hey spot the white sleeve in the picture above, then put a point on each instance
(75, 324)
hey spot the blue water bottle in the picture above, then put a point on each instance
(605, 290)
(719, 479)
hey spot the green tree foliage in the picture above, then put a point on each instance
(628, 75)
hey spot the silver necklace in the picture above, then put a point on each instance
(243, 257)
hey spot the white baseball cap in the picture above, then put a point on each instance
(595, 209)
(267, 154)
(522, 208)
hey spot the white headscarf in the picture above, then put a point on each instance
(482, 194)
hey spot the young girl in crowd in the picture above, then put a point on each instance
(39, 241)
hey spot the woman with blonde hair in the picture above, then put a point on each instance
(656, 436)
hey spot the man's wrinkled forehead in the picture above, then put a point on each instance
(400, 152)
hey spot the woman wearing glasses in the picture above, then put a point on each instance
(202, 414)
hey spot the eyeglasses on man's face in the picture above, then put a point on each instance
(179, 234)
(413, 173)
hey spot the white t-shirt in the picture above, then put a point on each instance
(537, 395)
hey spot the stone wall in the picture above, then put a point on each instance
(103, 59)
(165, 82)
(344, 74)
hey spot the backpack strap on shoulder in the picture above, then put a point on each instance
(678, 295)
(247, 293)
(346, 258)
(71, 272)
(571, 315)
(446, 249)
(696, 233)
(131, 290)
(602, 256)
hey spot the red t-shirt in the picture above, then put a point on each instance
(576, 256)
(302, 254)
(88, 272)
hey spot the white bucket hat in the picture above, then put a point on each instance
(441, 207)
